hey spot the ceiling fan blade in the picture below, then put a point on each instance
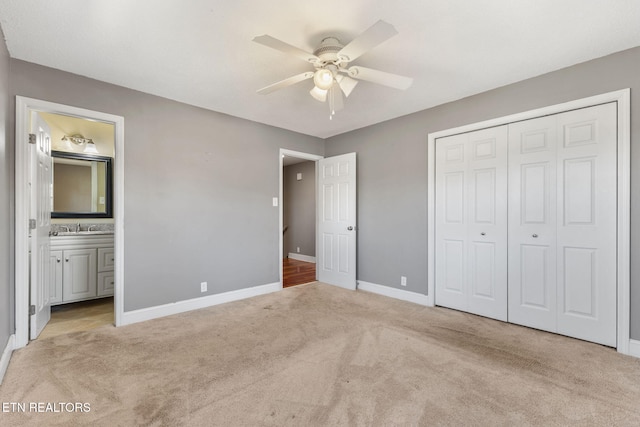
(372, 37)
(346, 84)
(380, 77)
(286, 82)
(276, 44)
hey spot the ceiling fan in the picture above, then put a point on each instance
(333, 76)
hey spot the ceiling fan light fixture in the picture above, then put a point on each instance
(334, 77)
(319, 94)
(323, 79)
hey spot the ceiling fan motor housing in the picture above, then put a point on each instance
(328, 50)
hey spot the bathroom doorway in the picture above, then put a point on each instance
(82, 225)
(83, 258)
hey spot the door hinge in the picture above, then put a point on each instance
(32, 224)
(32, 138)
(32, 310)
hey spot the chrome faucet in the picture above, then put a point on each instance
(77, 227)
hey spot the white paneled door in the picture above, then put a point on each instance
(471, 217)
(337, 221)
(41, 182)
(562, 223)
(526, 223)
(532, 223)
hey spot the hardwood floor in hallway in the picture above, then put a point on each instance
(79, 316)
(296, 272)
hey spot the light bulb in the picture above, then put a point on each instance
(323, 79)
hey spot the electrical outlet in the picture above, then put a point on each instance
(203, 286)
(403, 281)
(298, 249)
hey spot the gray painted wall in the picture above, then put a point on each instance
(299, 208)
(392, 166)
(190, 208)
(6, 203)
(193, 213)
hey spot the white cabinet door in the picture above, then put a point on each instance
(532, 223)
(55, 282)
(79, 274)
(471, 216)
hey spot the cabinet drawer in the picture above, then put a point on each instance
(105, 284)
(105, 259)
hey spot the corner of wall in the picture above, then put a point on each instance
(6, 356)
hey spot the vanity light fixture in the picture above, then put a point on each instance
(90, 146)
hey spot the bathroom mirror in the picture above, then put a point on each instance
(82, 186)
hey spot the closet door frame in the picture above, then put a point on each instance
(622, 98)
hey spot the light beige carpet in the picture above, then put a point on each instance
(320, 355)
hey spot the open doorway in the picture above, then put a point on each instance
(298, 244)
(79, 258)
(335, 217)
(299, 221)
(82, 226)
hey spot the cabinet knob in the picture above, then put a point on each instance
(66, 259)
(534, 236)
(483, 234)
(58, 259)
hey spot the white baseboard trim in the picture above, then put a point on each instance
(634, 348)
(300, 257)
(388, 291)
(143, 314)
(6, 356)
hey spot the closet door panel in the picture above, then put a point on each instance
(532, 223)
(451, 224)
(471, 214)
(587, 219)
(487, 230)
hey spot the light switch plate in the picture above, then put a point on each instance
(275, 201)
(299, 177)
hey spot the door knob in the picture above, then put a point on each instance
(349, 228)
(534, 236)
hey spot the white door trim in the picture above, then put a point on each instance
(23, 107)
(300, 155)
(623, 99)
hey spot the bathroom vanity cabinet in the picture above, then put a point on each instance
(82, 267)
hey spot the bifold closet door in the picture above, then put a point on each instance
(532, 223)
(471, 216)
(562, 223)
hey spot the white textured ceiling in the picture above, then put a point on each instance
(201, 52)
